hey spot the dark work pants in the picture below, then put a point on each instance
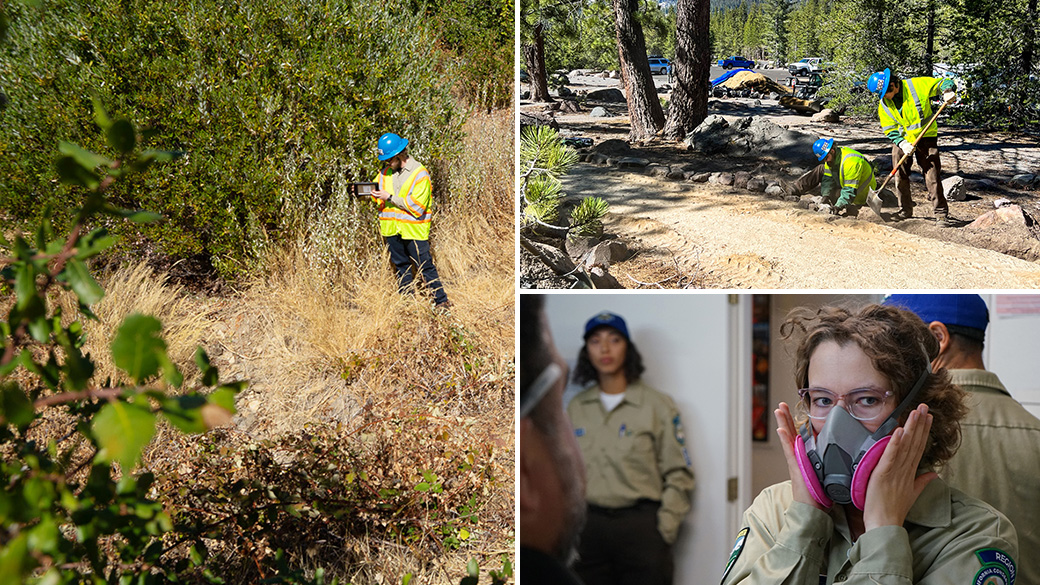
(624, 547)
(927, 155)
(406, 253)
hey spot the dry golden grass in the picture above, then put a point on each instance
(334, 344)
(135, 288)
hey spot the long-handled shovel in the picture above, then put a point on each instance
(873, 197)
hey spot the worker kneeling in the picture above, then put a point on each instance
(844, 176)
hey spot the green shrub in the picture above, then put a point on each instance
(276, 103)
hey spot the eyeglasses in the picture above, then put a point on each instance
(862, 404)
(541, 386)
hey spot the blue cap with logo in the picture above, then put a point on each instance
(606, 319)
(960, 311)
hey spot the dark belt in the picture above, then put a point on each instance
(641, 505)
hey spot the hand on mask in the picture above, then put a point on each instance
(788, 434)
(894, 485)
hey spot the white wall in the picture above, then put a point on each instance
(685, 343)
(1013, 345)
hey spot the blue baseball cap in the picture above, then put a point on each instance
(606, 319)
(960, 311)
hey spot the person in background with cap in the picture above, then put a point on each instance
(405, 200)
(639, 472)
(904, 108)
(855, 177)
(999, 457)
(552, 479)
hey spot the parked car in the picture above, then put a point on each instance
(660, 65)
(807, 66)
(735, 61)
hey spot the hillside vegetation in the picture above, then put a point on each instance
(372, 436)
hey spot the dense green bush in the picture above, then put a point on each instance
(276, 103)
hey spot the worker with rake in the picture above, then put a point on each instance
(844, 175)
(905, 105)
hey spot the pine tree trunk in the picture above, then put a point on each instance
(692, 68)
(644, 107)
(534, 57)
(1029, 38)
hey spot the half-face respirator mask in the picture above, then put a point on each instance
(836, 464)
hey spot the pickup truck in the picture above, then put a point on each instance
(807, 66)
(734, 61)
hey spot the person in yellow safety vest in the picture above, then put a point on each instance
(855, 177)
(904, 108)
(405, 200)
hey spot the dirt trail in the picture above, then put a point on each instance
(732, 239)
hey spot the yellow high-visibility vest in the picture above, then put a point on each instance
(854, 173)
(413, 221)
(915, 111)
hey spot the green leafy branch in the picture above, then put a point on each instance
(118, 527)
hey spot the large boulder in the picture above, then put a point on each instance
(710, 137)
(613, 147)
(766, 138)
(609, 94)
(1007, 216)
(606, 253)
(953, 188)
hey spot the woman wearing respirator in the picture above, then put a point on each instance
(864, 505)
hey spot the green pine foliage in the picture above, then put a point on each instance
(543, 159)
(276, 104)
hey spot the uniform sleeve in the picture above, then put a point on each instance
(882, 556)
(848, 194)
(828, 185)
(676, 473)
(895, 136)
(780, 546)
(947, 84)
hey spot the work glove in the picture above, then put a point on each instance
(949, 96)
(906, 147)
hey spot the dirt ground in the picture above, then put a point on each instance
(705, 235)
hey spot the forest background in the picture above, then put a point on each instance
(989, 44)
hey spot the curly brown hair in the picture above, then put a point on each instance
(901, 347)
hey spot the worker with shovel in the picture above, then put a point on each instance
(844, 175)
(904, 107)
(405, 199)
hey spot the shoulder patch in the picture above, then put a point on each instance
(679, 434)
(998, 568)
(738, 547)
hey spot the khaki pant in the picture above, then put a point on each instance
(927, 155)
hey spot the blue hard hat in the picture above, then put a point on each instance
(606, 319)
(878, 82)
(390, 145)
(821, 147)
(963, 311)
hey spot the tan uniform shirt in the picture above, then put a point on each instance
(947, 538)
(999, 460)
(637, 451)
(400, 178)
